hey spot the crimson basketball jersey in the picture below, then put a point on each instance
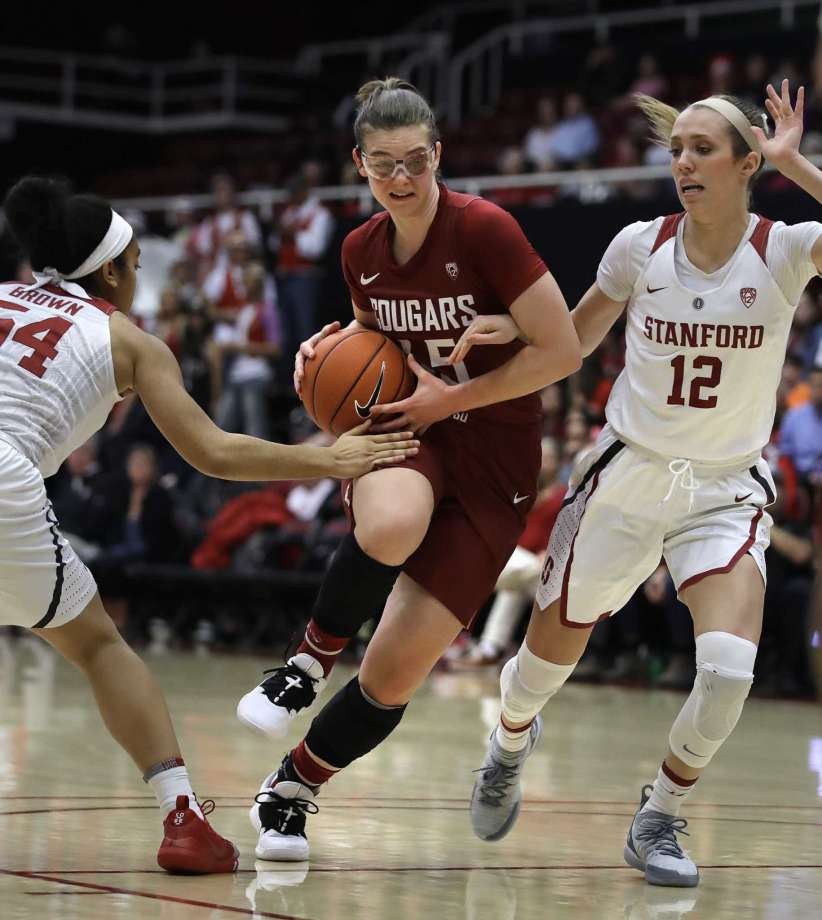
(57, 382)
(475, 261)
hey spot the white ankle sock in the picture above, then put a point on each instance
(527, 683)
(669, 793)
(168, 784)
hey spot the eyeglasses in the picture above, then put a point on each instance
(385, 167)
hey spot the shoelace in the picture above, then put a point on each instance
(680, 469)
(207, 807)
(661, 833)
(304, 694)
(492, 793)
(302, 807)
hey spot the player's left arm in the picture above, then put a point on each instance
(553, 352)
(782, 149)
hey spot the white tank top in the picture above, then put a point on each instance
(56, 371)
(702, 366)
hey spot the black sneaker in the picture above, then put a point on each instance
(289, 691)
(278, 815)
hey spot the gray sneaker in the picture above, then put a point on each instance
(652, 848)
(497, 794)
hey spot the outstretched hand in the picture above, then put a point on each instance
(782, 147)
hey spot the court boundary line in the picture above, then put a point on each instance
(112, 889)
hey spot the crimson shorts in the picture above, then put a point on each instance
(484, 478)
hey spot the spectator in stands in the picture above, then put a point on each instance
(300, 241)
(538, 141)
(209, 239)
(754, 78)
(244, 360)
(800, 436)
(601, 79)
(140, 527)
(576, 137)
(511, 162)
(224, 286)
(79, 495)
(782, 664)
(651, 81)
(793, 390)
(722, 76)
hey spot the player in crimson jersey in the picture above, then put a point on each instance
(678, 470)
(433, 533)
(66, 356)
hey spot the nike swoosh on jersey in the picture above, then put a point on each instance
(519, 498)
(651, 290)
(365, 411)
(741, 498)
(366, 281)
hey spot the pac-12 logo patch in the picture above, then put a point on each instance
(453, 269)
(747, 296)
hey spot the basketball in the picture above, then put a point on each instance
(351, 371)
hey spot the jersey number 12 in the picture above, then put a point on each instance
(709, 381)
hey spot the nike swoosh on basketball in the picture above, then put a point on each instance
(365, 411)
(366, 281)
(651, 290)
(519, 498)
(741, 498)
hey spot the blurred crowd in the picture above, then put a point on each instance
(233, 291)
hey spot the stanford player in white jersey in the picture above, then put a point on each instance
(677, 471)
(430, 537)
(66, 356)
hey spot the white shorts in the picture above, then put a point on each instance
(42, 582)
(616, 523)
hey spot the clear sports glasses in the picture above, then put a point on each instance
(385, 167)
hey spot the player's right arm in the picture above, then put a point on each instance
(145, 364)
(593, 316)
(362, 320)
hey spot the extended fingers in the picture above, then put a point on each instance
(394, 436)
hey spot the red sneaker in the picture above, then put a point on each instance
(191, 846)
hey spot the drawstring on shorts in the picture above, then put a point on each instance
(682, 475)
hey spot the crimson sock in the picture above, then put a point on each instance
(322, 646)
(307, 769)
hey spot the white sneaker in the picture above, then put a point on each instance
(290, 691)
(278, 815)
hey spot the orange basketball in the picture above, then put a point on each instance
(351, 371)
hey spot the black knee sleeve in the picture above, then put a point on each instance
(350, 725)
(354, 590)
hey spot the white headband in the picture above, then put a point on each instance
(117, 237)
(735, 116)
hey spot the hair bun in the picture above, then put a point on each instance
(36, 209)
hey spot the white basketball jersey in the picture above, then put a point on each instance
(56, 373)
(702, 367)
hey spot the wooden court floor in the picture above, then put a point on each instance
(392, 841)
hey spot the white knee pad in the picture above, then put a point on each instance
(724, 674)
(528, 682)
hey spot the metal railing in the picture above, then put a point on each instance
(481, 64)
(575, 180)
(98, 91)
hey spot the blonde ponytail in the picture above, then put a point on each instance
(661, 116)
